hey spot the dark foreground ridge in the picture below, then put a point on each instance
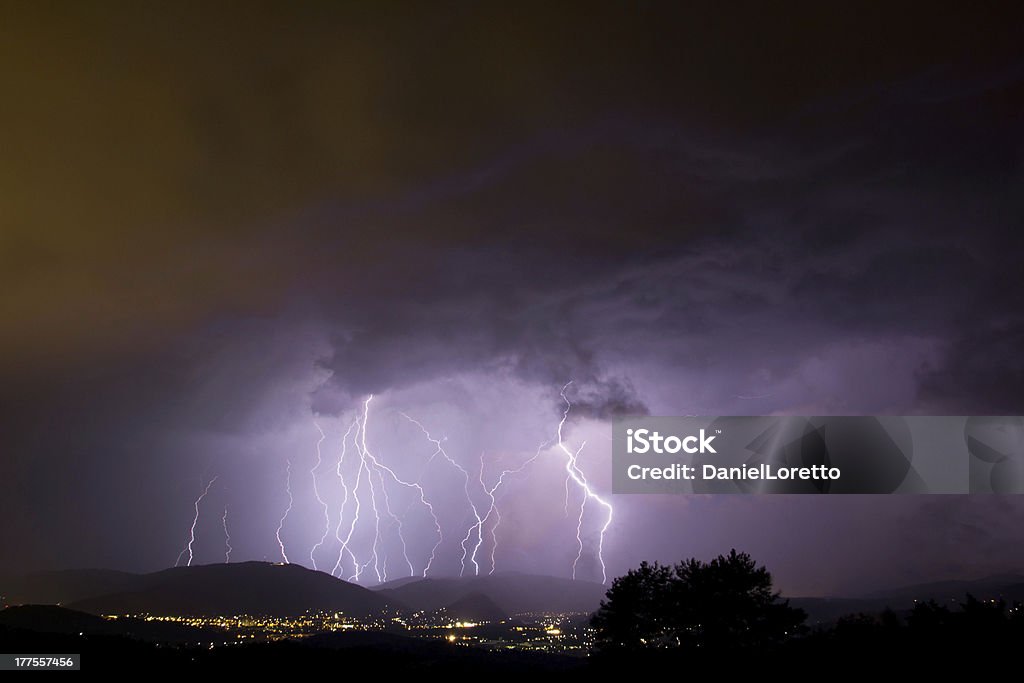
(907, 628)
(930, 643)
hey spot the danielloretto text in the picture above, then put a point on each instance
(743, 473)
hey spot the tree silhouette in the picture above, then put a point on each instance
(725, 604)
(928, 617)
(635, 615)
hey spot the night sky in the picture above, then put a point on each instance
(223, 227)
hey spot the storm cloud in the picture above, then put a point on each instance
(224, 225)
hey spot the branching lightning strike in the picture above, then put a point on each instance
(376, 479)
(411, 485)
(343, 544)
(576, 474)
(439, 450)
(319, 500)
(287, 511)
(494, 505)
(192, 530)
(227, 537)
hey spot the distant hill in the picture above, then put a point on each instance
(54, 619)
(475, 607)
(67, 586)
(825, 611)
(240, 588)
(263, 588)
(513, 592)
(1008, 586)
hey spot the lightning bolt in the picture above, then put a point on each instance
(381, 468)
(385, 498)
(439, 450)
(357, 568)
(568, 480)
(227, 537)
(316, 493)
(343, 544)
(287, 511)
(480, 522)
(583, 507)
(375, 554)
(494, 536)
(192, 530)
(378, 480)
(579, 536)
(574, 472)
(395, 520)
(494, 506)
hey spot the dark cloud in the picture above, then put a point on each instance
(983, 367)
(607, 399)
(756, 277)
(222, 223)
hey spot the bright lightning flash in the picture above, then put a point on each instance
(227, 537)
(574, 472)
(319, 500)
(192, 530)
(287, 511)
